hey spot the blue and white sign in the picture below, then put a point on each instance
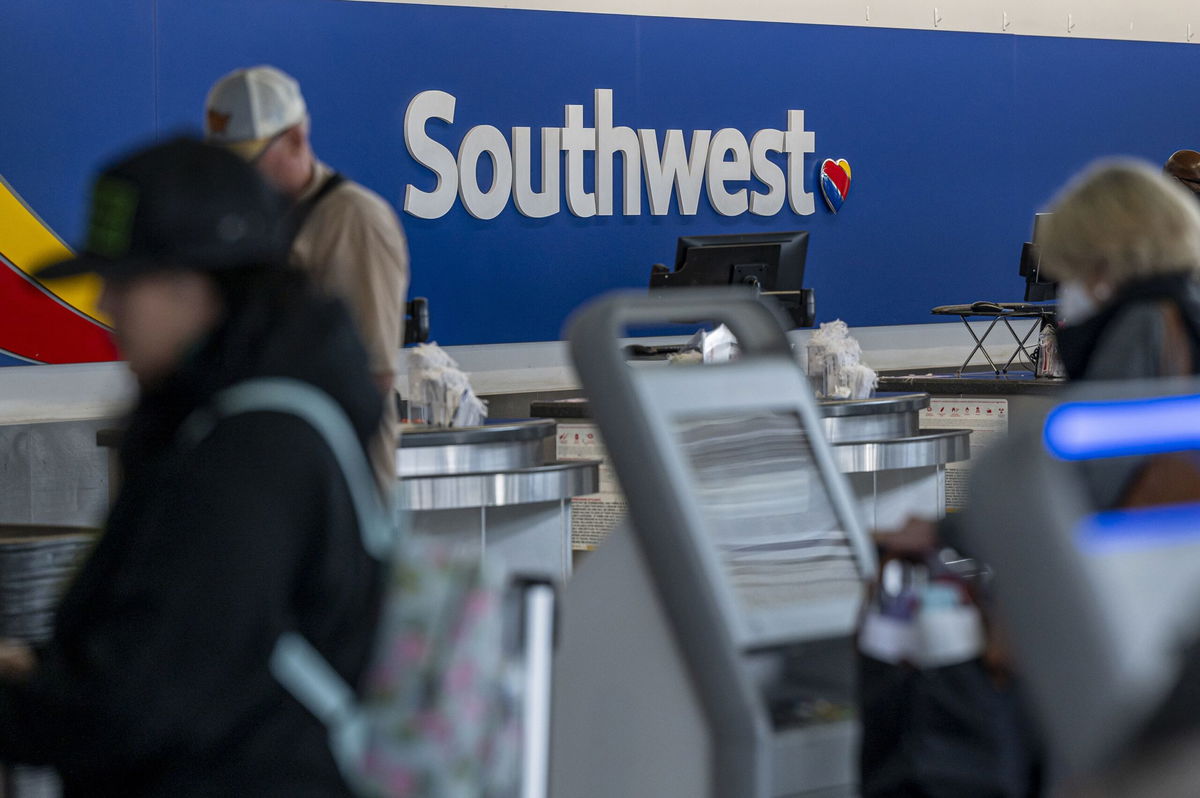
(538, 158)
(723, 163)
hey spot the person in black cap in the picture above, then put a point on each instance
(156, 682)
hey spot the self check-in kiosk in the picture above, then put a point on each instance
(1099, 604)
(706, 646)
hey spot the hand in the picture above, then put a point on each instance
(915, 540)
(17, 660)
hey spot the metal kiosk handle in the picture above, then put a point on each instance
(537, 603)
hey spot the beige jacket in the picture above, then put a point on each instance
(353, 247)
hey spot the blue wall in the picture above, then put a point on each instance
(77, 83)
(955, 139)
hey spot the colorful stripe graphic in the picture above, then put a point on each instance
(39, 325)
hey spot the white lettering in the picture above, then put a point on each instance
(798, 142)
(479, 203)
(720, 171)
(609, 141)
(724, 162)
(548, 201)
(576, 140)
(674, 168)
(430, 154)
(766, 170)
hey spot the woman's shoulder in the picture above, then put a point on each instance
(1149, 337)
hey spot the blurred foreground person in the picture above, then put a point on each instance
(1123, 242)
(1127, 243)
(227, 532)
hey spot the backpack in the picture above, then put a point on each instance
(438, 710)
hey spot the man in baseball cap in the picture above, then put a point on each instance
(348, 238)
(260, 114)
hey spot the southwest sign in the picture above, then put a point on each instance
(721, 164)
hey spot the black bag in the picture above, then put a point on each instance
(948, 732)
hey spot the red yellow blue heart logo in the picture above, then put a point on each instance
(835, 182)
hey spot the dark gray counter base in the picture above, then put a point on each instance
(983, 384)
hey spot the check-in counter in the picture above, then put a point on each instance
(490, 487)
(895, 468)
(493, 487)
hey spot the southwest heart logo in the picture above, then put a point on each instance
(835, 182)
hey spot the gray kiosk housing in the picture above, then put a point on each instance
(1098, 623)
(697, 637)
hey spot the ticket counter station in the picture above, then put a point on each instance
(492, 488)
(706, 648)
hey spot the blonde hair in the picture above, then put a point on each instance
(1119, 220)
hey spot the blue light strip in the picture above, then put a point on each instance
(1092, 430)
(1118, 531)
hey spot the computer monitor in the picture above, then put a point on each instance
(771, 262)
(1036, 289)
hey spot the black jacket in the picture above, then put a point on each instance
(1126, 338)
(156, 681)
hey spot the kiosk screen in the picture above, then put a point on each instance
(768, 513)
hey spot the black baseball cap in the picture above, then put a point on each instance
(180, 204)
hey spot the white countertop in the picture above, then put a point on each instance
(32, 394)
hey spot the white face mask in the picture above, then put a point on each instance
(1075, 303)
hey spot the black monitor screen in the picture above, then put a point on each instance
(770, 262)
(774, 261)
(1037, 289)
